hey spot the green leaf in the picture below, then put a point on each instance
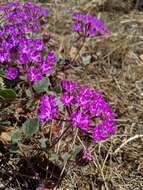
(65, 157)
(28, 93)
(7, 94)
(59, 57)
(54, 157)
(86, 60)
(5, 123)
(58, 89)
(31, 126)
(14, 149)
(16, 137)
(60, 104)
(2, 73)
(75, 150)
(42, 85)
(23, 78)
(43, 142)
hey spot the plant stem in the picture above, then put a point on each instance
(79, 50)
(31, 89)
(57, 140)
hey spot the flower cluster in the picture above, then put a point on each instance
(27, 15)
(48, 108)
(16, 48)
(22, 53)
(87, 25)
(83, 157)
(87, 106)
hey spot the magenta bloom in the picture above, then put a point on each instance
(77, 27)
(91, 106)
(35, 57)
(84, 157)
(9, 5)
(11, 73)
(69, 86)
(94, 24)
(103, 131)
(34, 74)
(38, 44)
(23, 58)
(87, 154)
(48, 108)
(46, 68)
(67, 99)
(35, 8)
(80, 120)
(51, 57)
(4, 56)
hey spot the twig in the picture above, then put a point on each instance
(57, 140)
(127, 141)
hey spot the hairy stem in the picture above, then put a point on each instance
(79, 50)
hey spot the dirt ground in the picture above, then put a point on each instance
(116, 69)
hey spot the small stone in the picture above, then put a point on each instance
(141, 57)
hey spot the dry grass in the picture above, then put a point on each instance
(117, 71)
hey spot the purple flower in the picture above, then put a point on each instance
(4, 56)
(87, 154)
(11, 73)
(86, 91)
(37, 9)
(69, 86)
(91, 105)
(23, 58)
(48, 108)
(67, 99)
(84, 96)
(9, 5)
(110, 126)
(33, 74)
(46, 68)
(51, 57)
(91, 31)
(83, 157)
(77, 27)
(35, 57)
(77, 16)
(82, 101)
(24, 45)
(99, 133)
(92, 22)
(102, 131)
(99, 26)
(6, 45)
(38, 44)
(80, 120)
(35, 26)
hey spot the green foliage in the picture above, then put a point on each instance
(75, 150)
(28, 93)
(16, 137)
(54, 157)
(65, 157)
(42, 85)
(23, 78)
(7, 94)
(60, 105)
(59, 57)
(43, 143)
(2, 86)
(86, 60)
(31, 126)
(58, 89)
